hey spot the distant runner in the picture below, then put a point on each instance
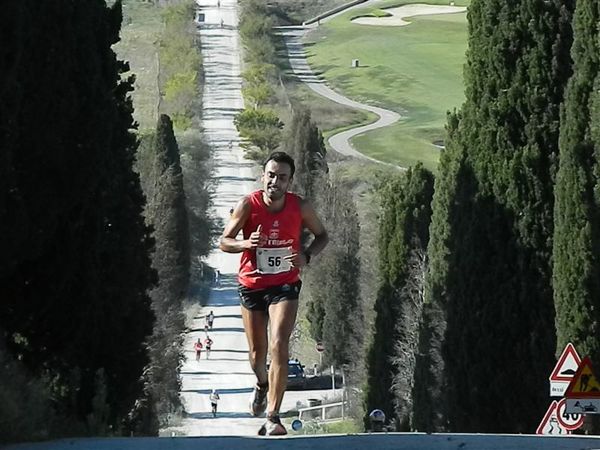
(272, 220)
(214, 399)
(208, 342)
(198, 349)
(210, 319)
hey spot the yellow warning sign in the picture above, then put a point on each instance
(584, 384)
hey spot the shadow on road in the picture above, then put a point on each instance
(220, 415)
(245, 352)
(225, 359)
(226, 295)
(187, 372)
(231, 329)
(221, 391)
(228, 316)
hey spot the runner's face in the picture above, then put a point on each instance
(276, 179)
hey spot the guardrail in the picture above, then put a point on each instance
(343, 405)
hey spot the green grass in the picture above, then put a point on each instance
(328, 115)
(375, 12)
(347, 426)
(415, 70)
(142, 25)
(344, 427)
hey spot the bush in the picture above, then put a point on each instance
(25, 410)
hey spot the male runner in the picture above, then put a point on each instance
(272, 220)
(214, 399)
(210, 319)
(208, 342)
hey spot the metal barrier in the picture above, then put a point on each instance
(343, 405)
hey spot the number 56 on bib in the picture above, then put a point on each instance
(271, 260)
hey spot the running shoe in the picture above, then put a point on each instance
(258, 404)
(272, 427)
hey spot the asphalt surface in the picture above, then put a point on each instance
(227, 369)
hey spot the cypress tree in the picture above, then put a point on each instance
(167, 215)
(576, 271)
(339, 269)
(490, 276)
(74, 307)
(304, 142)
(166, 212)
(403, 236)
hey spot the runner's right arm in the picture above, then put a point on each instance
(236, 222)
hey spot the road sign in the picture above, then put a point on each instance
(584, 383)
(582, 406)
(320, 347)
(569, 421)
(563, 372)
(550, 423)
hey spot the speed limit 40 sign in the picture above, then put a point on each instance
(568, 421)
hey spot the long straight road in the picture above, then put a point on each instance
(228, 369)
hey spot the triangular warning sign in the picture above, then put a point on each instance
(584, 384)
(566, 365)
(550, 423)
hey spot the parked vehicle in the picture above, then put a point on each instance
(296, 374)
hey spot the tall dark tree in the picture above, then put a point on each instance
(403, 238)
(75, 264)
(167, 214)
(491, 243)
(338, 271)
(304, 142)
(576, 278)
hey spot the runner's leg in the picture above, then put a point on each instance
(283, 318)
(255, 326)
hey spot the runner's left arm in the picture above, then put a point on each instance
(310, 221)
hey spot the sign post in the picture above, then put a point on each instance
(320, 348)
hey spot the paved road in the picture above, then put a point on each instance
(392, 441)
(228, 369)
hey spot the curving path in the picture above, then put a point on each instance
(341, 142)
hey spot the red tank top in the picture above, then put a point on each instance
(283, 231)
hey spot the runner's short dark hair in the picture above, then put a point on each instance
(281, 157)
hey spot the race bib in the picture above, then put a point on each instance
(270, 260)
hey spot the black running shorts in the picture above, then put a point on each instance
(261, 299)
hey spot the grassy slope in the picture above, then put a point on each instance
(141, 29)
(415, 70)
(328, 115)
(300, 10)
